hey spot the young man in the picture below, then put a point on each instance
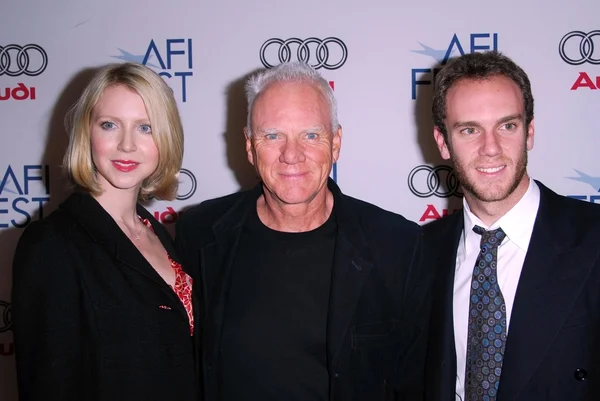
(516, 314)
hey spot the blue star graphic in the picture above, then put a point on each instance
(6, 189)
(583, 177)
(437, 55)
(126, 56)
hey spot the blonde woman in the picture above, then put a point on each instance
(102, 308)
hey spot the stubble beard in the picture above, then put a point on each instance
(489, 194)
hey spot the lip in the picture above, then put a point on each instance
(293, 176)
(491, 170)
(125, 165)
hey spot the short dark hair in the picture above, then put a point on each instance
(478, 66)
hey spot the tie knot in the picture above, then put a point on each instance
(492, 237)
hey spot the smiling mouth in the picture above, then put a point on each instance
(293, 175)
(491, 170)
(125, 165)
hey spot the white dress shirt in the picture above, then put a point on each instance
(517, 224)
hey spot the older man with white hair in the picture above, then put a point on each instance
(308, 294)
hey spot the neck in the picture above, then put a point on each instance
(295, 218)
(491, 212)
(121, 205)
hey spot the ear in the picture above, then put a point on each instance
(441, 143)
(249, 152)
(336, 144)
(530, 134)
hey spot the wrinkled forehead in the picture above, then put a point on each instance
(291, 100)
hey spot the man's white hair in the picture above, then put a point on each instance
(289, 72)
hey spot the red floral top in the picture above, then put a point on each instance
(183, 285)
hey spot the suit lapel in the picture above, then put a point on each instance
(216, 262)
(553, 275)
(351, 266)
(441, 245)
(103, 230)
(350, 270)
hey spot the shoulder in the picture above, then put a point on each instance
(574, 208)
(48, 231)
(373, 218)
(42, 252)
(443, 224)
(202, 217)
(571, 217)
(212, 209)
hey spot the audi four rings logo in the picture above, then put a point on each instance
(425, 181)
(187, 184)
(329, 53)
(6, 320)
(17, 60)
(578, 47)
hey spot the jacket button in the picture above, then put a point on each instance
(336, 375)
(580, 374)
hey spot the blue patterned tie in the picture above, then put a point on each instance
(487, 322)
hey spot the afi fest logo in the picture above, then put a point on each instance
(471, 43)
(329, 53)
(21, 61)
(170, 58)
(24, 190)
(580, 48)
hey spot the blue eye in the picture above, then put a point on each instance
(107, 125)
(311, 135)
(468, 131)
(146, 128)
(271, 136)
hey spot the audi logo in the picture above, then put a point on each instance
(17, 60)
(329, 53)
(187, 183)
(425, 181)
(577, 53)
(5, 313)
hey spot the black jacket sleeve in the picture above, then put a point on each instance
(410, 379)
(50, 328)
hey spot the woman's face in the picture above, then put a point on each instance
(123, 147)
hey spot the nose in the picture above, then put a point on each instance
(491, 144)
(127, 141)
(292, 152)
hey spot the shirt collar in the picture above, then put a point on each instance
(517, 223)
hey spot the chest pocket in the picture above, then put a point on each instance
(383, 334)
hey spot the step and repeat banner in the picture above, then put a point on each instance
(380, 56)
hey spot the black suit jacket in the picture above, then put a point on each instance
(378, 305)
(553, 346)
(92, 319)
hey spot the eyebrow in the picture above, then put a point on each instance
(267, 131)
(506, 119)
(109, 117)
(316, 128)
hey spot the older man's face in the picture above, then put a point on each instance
(292, 145)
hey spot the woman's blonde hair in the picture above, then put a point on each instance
(167, 130)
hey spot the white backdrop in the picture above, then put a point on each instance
(379, 55)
